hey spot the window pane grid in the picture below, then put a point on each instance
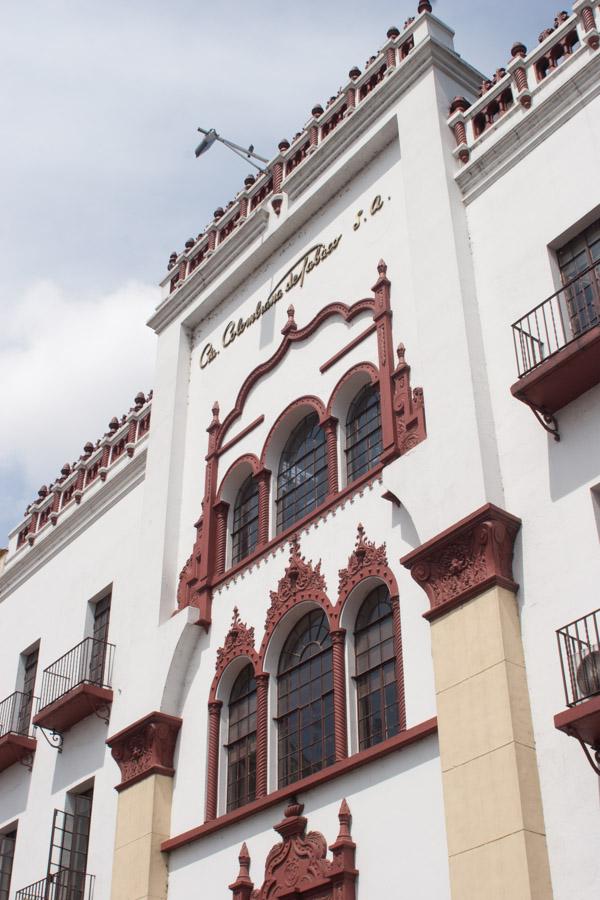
(305, 701)
(7, 852)
(363, 433)
(302, 478)
(241, 746)
(583, 297)
(244, 535)
(377, 692)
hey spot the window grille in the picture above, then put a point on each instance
(582, 296)
(376, 685)
(29, 673)
(305, 700)
(244, 535)
(7, 853)
(363, 432)
(302, 478)
(241, 746)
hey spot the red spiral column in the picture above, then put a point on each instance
(460, 105)
(264, 482)
(212, 777)
(399, 662)
(589, 23)
(338, 645)
(262, 733)
(330, 428)
(221, 513)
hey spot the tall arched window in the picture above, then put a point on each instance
(363, 432)
(244, 534)
(305, 700)
(302, 478)
(376, 684)
(241, 744)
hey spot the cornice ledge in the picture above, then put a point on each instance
(544, 118)
(422, 58)
(66, 530)
(466, 559)
(170, 308)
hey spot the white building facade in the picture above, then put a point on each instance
(314, 580)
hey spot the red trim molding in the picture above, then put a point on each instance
(399, 742)
(466, 559)
(145, 748)
(298, 866)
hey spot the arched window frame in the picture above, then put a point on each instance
(245, 525)
(370, 442)
(231, 742)
(316, 457)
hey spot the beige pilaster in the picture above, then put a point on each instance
(143, 822)
(493, 805)
(144, 752)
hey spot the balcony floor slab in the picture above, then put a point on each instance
(14, 748)
(582, 721)
(78, 703)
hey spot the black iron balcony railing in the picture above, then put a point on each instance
(90, 662)
(15, 714)
(62, 885)
(559, 320)
(579, 648)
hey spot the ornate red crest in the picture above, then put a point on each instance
(239, 642)
(145, 748)
(298, 865)
(302, 581)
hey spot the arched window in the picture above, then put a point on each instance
(302, 478)
(305, 700)
(244, 535)
(376, 684)
(241, 744)
(363, 432)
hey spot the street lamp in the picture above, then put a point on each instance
(211, 136)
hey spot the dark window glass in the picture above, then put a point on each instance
(30, 661)
(241, 745)
(7, 853)
(244, 535)
(377, 691)
(302, 478)
(305, 729)
(583, 296)
(69, 846)
(98, 652)
(363, 432)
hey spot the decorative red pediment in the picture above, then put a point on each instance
(466, 559)
(298, 866)
(239, 642)
(301, 581)
(366, 560)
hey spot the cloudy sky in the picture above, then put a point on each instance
(99, 107)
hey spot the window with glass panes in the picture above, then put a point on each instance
(302, 478)
(241, 744)
(244, 534)
(305, 729)
(98, 652)
(363, 433)
(580, 260)
(376, 686)
(7, 853)
(30, 664)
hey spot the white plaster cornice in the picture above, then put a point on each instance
(69, 528)
(573, 90)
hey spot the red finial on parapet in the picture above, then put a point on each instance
(290, 325)
(345, 820)
(424, 6)
(518, 49)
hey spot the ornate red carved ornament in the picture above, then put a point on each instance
(402, 428)
(298, 866)
(466, 559)
(145, 748)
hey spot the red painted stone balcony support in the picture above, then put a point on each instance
(16, 743)
(557, 348)
(579, 650)
(146, 747)
(75, 686)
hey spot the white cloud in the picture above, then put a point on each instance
(67, 365)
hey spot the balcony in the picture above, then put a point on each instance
(75, 686)
(65, 884)
(16, 743)
(557, 346)
(579, 649)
